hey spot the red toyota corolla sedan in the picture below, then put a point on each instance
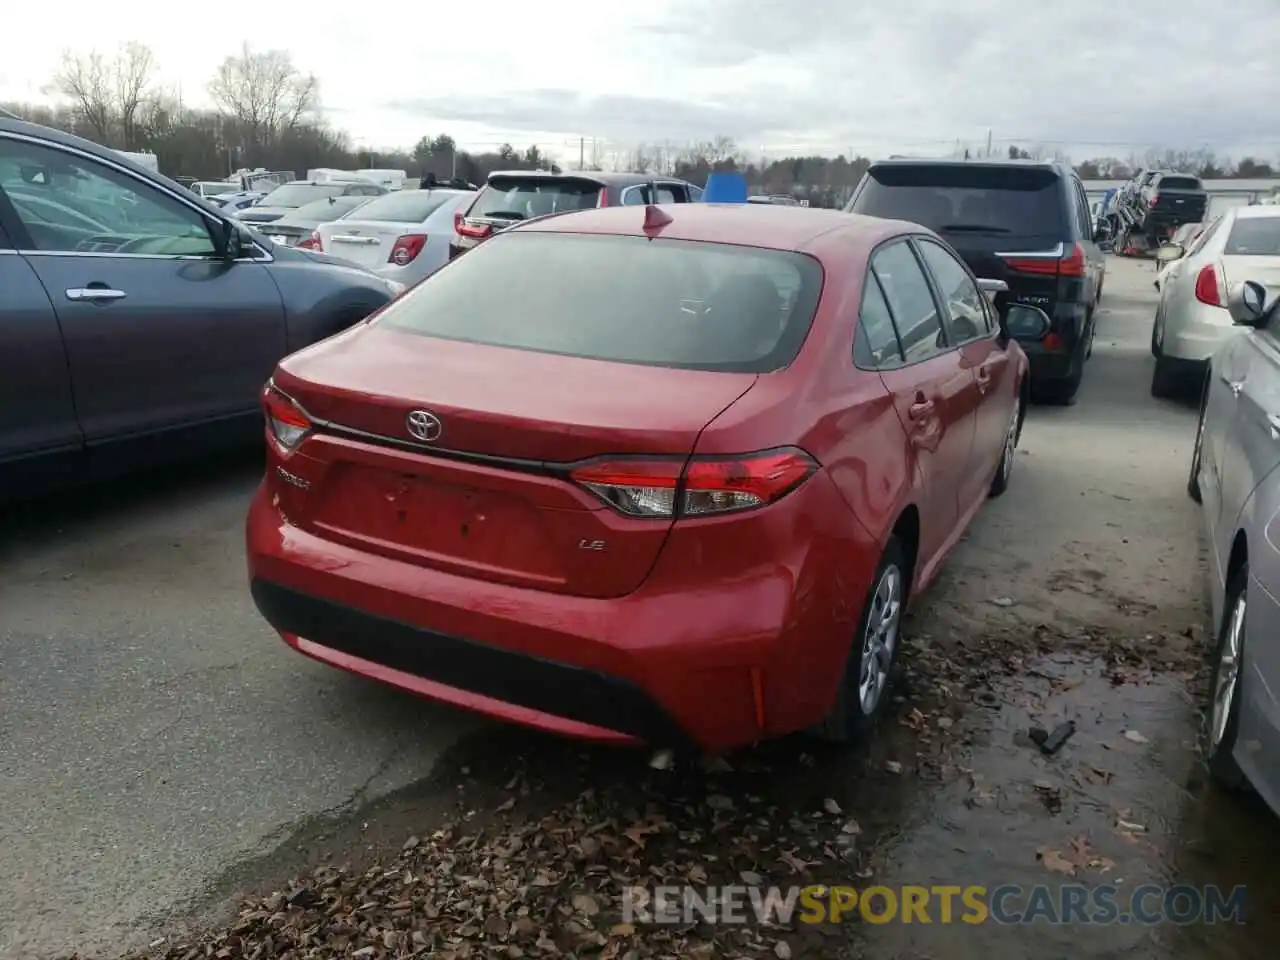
(642, 474)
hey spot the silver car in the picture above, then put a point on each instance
(1192, 322)
(403, 236)
(1234, 478)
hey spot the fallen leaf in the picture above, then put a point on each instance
(622, 930)
(585, 904)
(831, 807)
(893, 766)
(781, 950)
(851, 827)
(718, 801)
(751, 878)
(1133, 736)
(1055, 861)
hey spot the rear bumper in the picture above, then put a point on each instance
(1059, 360)
(1196, 332)
(686, 659)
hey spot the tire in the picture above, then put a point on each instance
(1166, 381)
(1193, 479)
(1222, 716)
(852, 717)
(1000, 483)
(1090, 324)
(1062, 392)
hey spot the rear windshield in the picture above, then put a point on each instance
(520, 198)
(406, 206)
(965, 198)
(666, 303)
(297, 194)
(1178, 183)
(1254, 237)
(329, 209)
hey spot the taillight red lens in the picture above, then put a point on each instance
(603, 200)
(671, 487)
(1207, 288)
(406, 248)
(476, 231)
(285, 419)
(1070, 264)
(312, 242)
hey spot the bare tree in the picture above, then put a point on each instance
(109, 95)
(133, 72)
(85, 80)
(265, 93)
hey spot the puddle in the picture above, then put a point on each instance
(1122, 804)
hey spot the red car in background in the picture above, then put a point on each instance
(642, 474)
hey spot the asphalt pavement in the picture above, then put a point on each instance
(162, 753)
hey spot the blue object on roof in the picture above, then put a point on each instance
(725, 188)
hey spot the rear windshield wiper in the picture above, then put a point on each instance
(973, 228)
(502, 214)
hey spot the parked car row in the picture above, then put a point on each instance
(138, 322)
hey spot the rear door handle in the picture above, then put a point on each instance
(94, 293)
(921, 409)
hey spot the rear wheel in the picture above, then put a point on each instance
(1193, 481)
(1001, 481)
(1166, 379)
(1224, 691)
(1061, 392)
(864, 689)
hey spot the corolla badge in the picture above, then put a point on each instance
(423, 425)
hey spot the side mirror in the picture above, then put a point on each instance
(991, 287)
(1247, 304)
(1020, 321)
(1169, 252)
(231, 240)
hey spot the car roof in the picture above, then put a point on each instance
(768, 226)
(947, 162)
(601, 177)
(1258, 212)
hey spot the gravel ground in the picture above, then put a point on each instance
(260, 824)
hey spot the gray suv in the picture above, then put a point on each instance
(139, 323)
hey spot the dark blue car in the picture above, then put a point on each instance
(138, 323)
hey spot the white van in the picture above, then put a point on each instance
(391, 179)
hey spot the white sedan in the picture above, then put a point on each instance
(1192, 321)
(402, 236)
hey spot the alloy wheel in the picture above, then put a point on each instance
(880, 638)
(1227, 675)
(1010, 440)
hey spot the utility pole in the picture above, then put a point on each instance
(988, 144)
(582, 153)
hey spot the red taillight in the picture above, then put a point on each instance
(285, 419)
(312, 242)
(1207, 289)
(603, 199)
(476, 231)
(406, 248)
(1069, 264)
(671, 487)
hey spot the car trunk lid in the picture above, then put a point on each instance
(367, 243)
(488, 497)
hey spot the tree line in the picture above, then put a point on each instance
(267, 113)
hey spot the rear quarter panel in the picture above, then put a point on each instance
(322, 296)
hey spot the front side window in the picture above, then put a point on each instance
(69, 203)
(910, 301)
(966, 318)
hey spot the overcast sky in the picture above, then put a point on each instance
(779, 76)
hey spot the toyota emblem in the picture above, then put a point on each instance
(423, 425)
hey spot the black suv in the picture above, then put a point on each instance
(1026, 223)
(509, 197)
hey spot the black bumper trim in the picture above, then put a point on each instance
(558, 689)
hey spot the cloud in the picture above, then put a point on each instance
(1115, 77)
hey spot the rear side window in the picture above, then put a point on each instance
(910, 301)
(668, 303)
(1254, 237)
(522, 198)
(408, 206)
(1021, 201)
(1178, 183)
(877, 346)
